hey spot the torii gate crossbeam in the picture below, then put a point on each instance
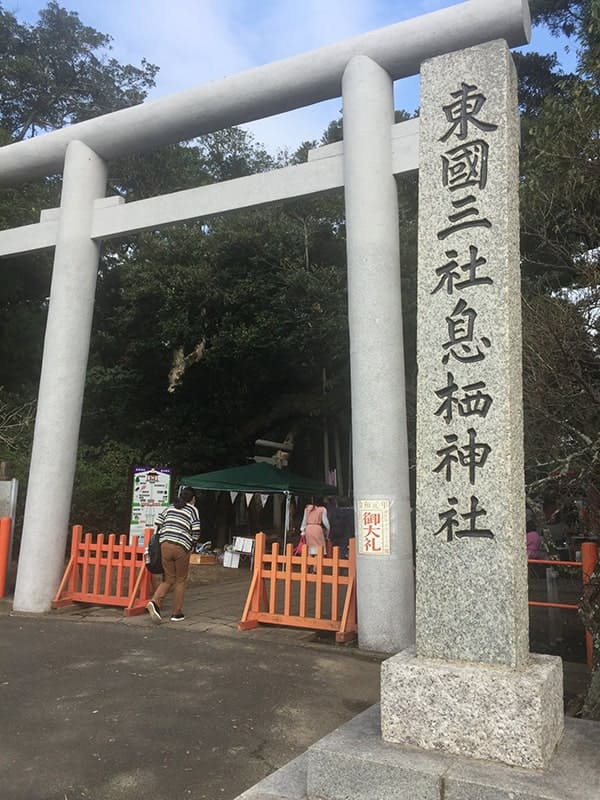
(272, 88)
(112, 217)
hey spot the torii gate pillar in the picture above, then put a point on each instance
(385, 575)
(66, 346)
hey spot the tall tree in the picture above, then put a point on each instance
(579, 20)
(58, 72)
(52, 73)
(560, 208)
(561, 148)
(561, 268)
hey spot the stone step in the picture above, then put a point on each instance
(288, 783)
(354, 762)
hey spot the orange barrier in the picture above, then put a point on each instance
(589, 558)
(302, 591)
(105, 573)
(5, 524)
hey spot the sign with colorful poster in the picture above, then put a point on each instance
(374, 527)
(151, 493)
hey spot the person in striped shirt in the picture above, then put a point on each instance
(179, 531)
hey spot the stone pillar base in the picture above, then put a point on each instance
(514, 716)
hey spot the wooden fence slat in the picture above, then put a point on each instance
(67, 585)
(120, 566)
(303, 579)
(274, 574)
(287, 602)
(76, 537)
(109, 564)
(96, 561)
(348, 625)
(251, 606)
(85, 572)
(319, 584)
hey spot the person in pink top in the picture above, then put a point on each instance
(535, 547)
(315, 525)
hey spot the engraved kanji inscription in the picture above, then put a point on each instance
(450, 272)
(466, 208)
(465, 165)
(462, 344)
(451, 524)
(463, 111)
(472, 455)
(469, 401)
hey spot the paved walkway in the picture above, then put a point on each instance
(214, 601)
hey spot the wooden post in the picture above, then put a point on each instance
(589, 559)
(4, 551)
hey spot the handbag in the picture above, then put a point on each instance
(300, 545)
(152, 555)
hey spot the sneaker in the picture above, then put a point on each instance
(154, 612)
(177, 617)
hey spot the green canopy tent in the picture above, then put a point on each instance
(261, 478)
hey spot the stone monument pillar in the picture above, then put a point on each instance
(472, 688)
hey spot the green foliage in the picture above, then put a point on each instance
(269, 312)
(52, 73)
(560, 212)
(561, 371)
(16, 436)
(101, 493)
(579, 20)
(16, 425)
(560, 199)
(539, 78)
(57, 72)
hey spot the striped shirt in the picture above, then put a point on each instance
(179, 525)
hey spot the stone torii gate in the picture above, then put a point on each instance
(362, 71)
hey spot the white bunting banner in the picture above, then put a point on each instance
(263, 499)
(233, 495)
(248, 496)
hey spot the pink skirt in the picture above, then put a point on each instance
(314, 537)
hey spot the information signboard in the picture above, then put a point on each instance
(151, 493)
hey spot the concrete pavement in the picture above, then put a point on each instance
(98, 707)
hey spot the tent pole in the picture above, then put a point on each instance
(286, 525)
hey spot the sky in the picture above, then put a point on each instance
(194, 41)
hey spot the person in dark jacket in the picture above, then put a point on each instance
(341, 522)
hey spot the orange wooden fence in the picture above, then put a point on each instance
(304, 591)
(105, 572)
(589, 559)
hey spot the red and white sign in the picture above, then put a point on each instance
(374, 527)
